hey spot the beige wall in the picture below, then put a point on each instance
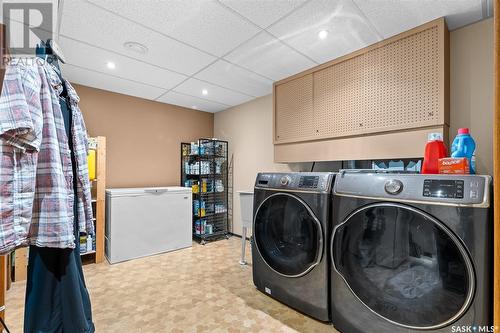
(143, 137)
(248, 127)
(471, 84)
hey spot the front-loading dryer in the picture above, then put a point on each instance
(411, 253)
(289, 246)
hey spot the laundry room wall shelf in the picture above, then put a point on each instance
(98, 189)
(19, 264)
(204, 168)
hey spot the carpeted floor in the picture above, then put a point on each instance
(199, 289)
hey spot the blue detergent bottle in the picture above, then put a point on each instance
(464, 146)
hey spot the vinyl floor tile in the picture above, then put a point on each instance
(198, 289)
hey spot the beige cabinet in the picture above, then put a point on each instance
(393, 87)
(396, 85)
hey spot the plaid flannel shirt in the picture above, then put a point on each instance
(36, 176)
(81, 151)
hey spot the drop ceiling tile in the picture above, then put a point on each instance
(234, 77)
(392, 17)
(191, 102)
(86, 22)
(263, 12)
(347, 29)
(269, 57)
(204, 24)
(94, 58)
(217, 94)
(106, 82)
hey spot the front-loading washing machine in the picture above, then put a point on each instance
(411, 253)
(289, 246)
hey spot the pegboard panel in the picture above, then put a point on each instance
(339, 104)
(294, 109)
(393, 87)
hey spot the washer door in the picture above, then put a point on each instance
(404, 265)
(288, 236)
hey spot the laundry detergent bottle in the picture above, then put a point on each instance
(434, 150)
(464, 146)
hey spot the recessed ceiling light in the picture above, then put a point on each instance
(135, 47)
(204, 92)
(111, 65)
(323, 34)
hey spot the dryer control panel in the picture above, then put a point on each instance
(297, 181)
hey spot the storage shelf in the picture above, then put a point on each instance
(209, 193)
(204, 157)
(209, 172)
(98, 202)
(209, 215)
(212, 235)
(204, 175)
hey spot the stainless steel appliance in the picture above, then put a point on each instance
(410, 252)
(290, 229)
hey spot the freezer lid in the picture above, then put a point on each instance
(138, 191)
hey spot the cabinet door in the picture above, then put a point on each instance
(294, 111)
(338, 99)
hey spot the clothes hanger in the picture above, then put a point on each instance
(50, 48)
(52, 53)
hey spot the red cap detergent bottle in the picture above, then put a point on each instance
(434, 150)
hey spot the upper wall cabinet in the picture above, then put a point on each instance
(395, 85)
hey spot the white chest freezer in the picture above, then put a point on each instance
(146, 221)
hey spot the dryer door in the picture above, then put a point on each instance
(404, 265)
(288, 235)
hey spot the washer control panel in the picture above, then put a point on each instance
(303, 181)
(444, 188)
(309, 182)
(462, 190)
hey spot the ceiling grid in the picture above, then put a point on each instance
(232, 50)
